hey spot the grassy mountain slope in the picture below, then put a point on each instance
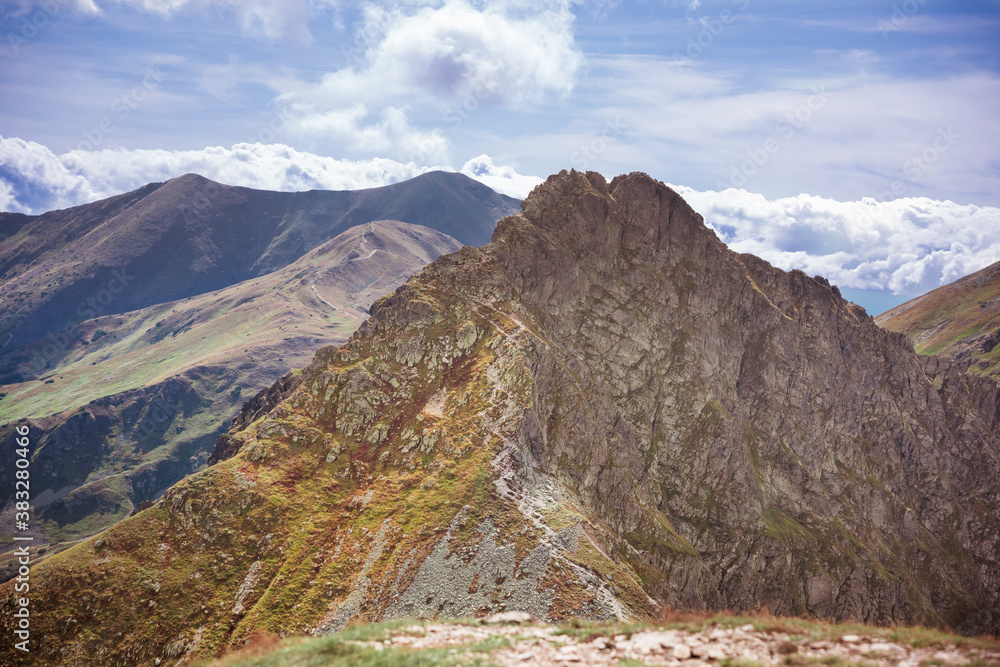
(190, 236)
(961, 320)
(601, 413)
(139, 400)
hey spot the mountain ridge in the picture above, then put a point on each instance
(189, 235)
(602, 413)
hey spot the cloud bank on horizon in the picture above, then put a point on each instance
(884, 115)
(906, 246)
(33, 179)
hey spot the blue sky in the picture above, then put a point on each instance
(854, 139)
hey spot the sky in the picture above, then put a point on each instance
(854, 139)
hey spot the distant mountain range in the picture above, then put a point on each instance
(130, 401)
(603, 413)
(189, 236)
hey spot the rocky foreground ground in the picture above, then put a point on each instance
(518, 639)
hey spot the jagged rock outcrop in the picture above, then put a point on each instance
(604, 402)
(228, 444)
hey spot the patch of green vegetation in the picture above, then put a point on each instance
(781, 526)
(351, 648)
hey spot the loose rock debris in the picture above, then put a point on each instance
(528, 643)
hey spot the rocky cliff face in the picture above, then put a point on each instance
(601, 412)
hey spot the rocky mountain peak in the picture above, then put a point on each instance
(632, 220)
(601, 413)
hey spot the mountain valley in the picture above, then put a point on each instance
(130, 402)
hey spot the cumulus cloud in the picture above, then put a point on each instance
(501, 178)
(442, 57)
(33, 179)
(906, 246)
(508, 53)
(354, 129)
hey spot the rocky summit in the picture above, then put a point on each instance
(602, 413)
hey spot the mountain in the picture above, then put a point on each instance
(189, 236)
(139, 400)
(603, 412)
(961, 320)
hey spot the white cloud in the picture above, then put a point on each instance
(905, 246)
(509, 53)
(8, 198)
(33, 179)
(444, 57)
(502, 179)
(846, 138)
(353, 129)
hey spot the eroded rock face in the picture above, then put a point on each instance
(806, 456)
(806, 459)
(228, 444)
(606, 403)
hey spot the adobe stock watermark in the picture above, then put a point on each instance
(786, 128)
(122, 107)
(34, 22)
(901, 13)
(223, 7)
(22, 524)
(711, 30)
(484, 88)
(584, 156)
(268, 131)
(159, 413)
(57, 343)
(369, 35)
(200, 202)
(915, 166)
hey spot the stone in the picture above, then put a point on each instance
(718, 653)
(649, 642)
(510, 618)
